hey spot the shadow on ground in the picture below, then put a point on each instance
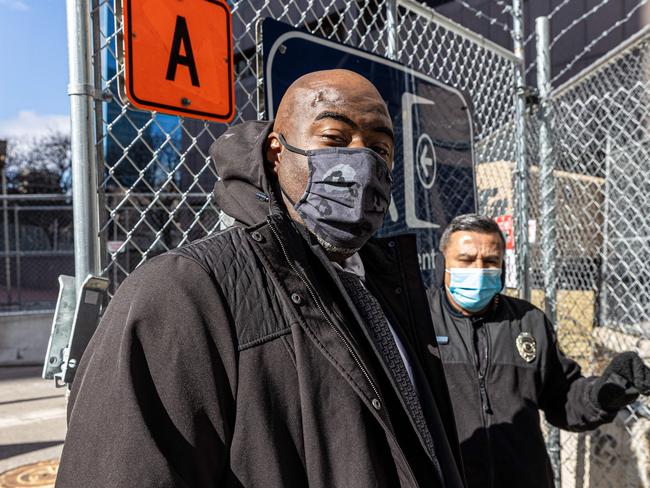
(10, 450)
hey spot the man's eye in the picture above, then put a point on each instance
(382, 151)
(333, 138)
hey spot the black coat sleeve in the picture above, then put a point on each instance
(152, 404)
(566, 395)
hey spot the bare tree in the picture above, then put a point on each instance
(35, 166)
(40, 164)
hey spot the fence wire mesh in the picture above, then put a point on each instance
(485, 74)
(157, 174)
(36, 246)
(157, 177)
(600, 145)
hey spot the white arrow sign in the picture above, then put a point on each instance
(425, 161)
(416, 161)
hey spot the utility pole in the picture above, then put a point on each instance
(522, 196)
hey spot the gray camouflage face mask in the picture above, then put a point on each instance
(347, 195)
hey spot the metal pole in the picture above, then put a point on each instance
(391, 25)
(19, 278)
(5, 216)
(521, 196)
(603, 319)
(547, 202)
(5, 230)
(84, 167)
(547, 179)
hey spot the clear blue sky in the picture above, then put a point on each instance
(34, 60)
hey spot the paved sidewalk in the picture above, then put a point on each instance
(32, 417)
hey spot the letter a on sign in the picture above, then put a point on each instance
(178, 57)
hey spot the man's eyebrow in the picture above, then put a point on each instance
(347, 120)
(495, 257)
(337, 116)
(466, 255)
(385, 130)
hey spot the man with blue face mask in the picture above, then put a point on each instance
(503, 365)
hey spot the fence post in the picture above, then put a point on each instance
(84, 168)
(521, 195)
(547, 204)
(391, 25)
(5, 230)
(19, 278)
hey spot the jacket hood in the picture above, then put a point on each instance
(244, 190)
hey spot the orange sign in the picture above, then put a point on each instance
(178, 57)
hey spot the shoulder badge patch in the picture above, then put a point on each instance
(527, 347)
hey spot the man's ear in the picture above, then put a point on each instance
(273, 150)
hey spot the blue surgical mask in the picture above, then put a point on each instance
(474, 288)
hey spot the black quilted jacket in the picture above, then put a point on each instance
(231, 363)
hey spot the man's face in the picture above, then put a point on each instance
(336, 111)
(473, 250)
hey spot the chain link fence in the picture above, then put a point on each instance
(454, 55)
(156, 169)
(600, 150)
(36, 246)
(156, 176)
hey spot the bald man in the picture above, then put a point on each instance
(290, 350)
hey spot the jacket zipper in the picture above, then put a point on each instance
(317, 301)
(483, 393)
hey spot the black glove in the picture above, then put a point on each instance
(622, 381)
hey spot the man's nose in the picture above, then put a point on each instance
(357, 142)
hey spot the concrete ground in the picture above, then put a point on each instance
(32, 417)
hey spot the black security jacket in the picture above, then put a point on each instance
(496, 394)
(237, 361)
